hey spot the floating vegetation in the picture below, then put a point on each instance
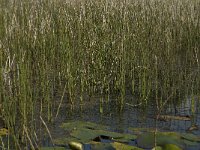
(53, 148)
(143, 139)
(58, 53)
(73, 125)
(167, 147)
(85, 134)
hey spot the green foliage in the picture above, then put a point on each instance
(52, 148)
(167, 147)
(82, 134)
(3, 132)
(62, 50)
(166, 139)
(73, 125)
(191, 137)
(87, 131)
(120, 146)
(171, 147)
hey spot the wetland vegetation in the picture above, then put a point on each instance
(67, 54)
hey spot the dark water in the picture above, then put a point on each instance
(120, 121)
(132, 116)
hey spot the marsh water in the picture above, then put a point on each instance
(54, 52)
(132, 115)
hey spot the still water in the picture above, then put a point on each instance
(132, 115)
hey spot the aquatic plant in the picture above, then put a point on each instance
(58, 52)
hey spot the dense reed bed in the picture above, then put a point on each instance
(60, 51)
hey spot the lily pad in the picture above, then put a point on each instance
(189, 143)
(53, 148)
(120, 146)
(167, 147)
(86, 135)
(141, 130)
(171, 147)
(112, 146)
(101, 146)
(157, 148)
(65, 141)
(147, 140)
(87, 131)
(73, 125)
(126, 138)
(190, 137)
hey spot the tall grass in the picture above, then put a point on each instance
(50, 49)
